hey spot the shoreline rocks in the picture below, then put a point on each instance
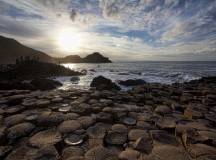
(102, 83)
(132, 82)
(147, 122)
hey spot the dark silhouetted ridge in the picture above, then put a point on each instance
(11, 49)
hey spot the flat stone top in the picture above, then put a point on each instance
(153, 120)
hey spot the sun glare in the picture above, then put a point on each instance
(69, 41)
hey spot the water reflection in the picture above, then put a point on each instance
(160, 72)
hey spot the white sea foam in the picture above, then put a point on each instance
(157, 72)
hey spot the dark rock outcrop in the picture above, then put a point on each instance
(132, 82)
(71, 59)
(31, 70)
(11, 49)
(45, 84)
(96, 58)
(15, 84)
(102, 83)
(91, 58)
(35, 84)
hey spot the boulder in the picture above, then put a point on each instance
(102, 83)
(75, 79)
(45, 84)
(132, 82)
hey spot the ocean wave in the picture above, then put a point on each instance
(150, 72)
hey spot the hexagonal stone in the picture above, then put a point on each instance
(183, 127)
(100, 153)
(14, 119)
(71, 152)
(20, 130)
(162, 137)
(206, 135)
(197, 150)
(14, 109)
(135, 134)
(167, 152)
(95, 142)
(144, 144)
(163, 109)
(98, 130)
(69, 126)
(166, 123)
(48, 119)
(45, 138)
(115, 138)
(42, 103)
(70, 116)
(18, 153)
(45, 153)
(86, 121)
(119, 128)
(129, 154)
(104, 117)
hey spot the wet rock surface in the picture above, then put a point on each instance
(101, 82)
(150, 121)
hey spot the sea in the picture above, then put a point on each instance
(150, 71)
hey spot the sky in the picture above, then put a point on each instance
(124, 30)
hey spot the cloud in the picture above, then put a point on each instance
(140, 29)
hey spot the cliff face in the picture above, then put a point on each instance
(10, 50)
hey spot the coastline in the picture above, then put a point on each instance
(145, 122)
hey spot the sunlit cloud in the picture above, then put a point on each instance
(121, 29)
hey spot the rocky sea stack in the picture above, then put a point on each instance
(95, 57)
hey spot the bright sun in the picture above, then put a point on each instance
(69, 41)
